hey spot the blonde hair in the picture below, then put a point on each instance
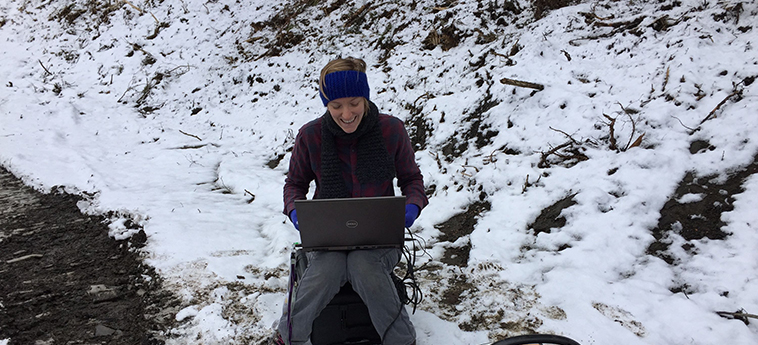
(341, 64)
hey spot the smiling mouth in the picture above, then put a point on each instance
(349, 122)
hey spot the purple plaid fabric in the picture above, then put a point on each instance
(305, 165)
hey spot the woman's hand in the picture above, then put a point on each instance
(293, 218)
(411, 213)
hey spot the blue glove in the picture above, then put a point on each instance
(411, 213)
(293, 218)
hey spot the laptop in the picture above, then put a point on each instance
(351, 223)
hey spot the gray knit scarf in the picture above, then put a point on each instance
(374, 162)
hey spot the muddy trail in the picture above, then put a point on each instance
(65, 281)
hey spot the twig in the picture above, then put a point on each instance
(190, 147)
(145, 92)
(492, 51)
(252, 196)
(543, 160)
(627, 110)
(25, 257)
(566, 134)
(612, 132)
(527, 184)
(520, 83)
(739, 315)
(734, 93)
(634, 130)
(666, 79)
(427, 95)
(358, 13)
(190, 135)
(129, 87)
(43, 67)
(490, 158)
(135, 7)
(565, 53)
(593, 16)
(178, 67)
(683, 125)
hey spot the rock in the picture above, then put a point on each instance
(103, 331)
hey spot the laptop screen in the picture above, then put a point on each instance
(351, 223)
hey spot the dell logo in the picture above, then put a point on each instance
(351, 224)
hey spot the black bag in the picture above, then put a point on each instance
(345, 320)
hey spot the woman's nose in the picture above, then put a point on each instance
(346, 113)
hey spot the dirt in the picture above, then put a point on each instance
(65, 281)
(699, 219)
(458, 226)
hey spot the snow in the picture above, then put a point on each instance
(195, 174)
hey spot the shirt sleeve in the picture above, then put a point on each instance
(300, 173)
(409, 177)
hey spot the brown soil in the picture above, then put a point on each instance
(701, 219)
(65, 281)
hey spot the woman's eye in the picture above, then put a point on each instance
(354, 104)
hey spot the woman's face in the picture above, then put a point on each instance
(347, 112)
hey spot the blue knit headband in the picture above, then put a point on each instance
(344, 84)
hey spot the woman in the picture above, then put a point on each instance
(351, 151)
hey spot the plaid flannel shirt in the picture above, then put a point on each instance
(305, 165)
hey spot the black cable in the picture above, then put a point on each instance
(409, 279)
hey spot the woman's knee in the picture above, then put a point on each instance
(382, 260)
(327, 266)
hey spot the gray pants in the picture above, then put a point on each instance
(368, 271)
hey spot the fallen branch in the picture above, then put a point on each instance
(498, 54)
(135, 7)
(520, 83)
(190, 135)
(25, 257)
(543, 160)
(358, 14)
(710, 115)
(566, 134)
(738, 315)
(627, 24)
(617, 27)
(190, 147)
(592, 16)
(43, 67)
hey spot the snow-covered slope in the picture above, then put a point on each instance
(180, 115)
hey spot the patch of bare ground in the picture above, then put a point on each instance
(65, 281)
(458, 226)
(694, 210)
